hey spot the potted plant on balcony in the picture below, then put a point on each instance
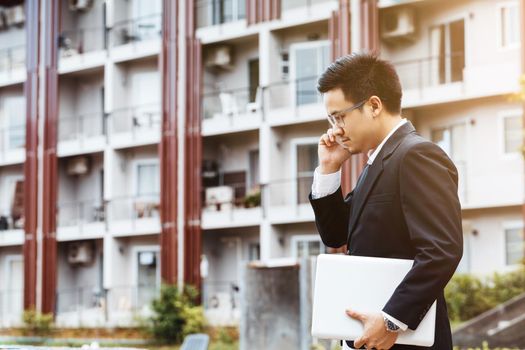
(253, 198)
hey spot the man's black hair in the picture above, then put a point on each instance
(361, 75)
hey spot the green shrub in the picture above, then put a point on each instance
(468, 296)
(37, 323)
(176, 315)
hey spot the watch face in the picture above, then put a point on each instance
(392, 326)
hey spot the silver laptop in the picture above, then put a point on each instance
(364, 284)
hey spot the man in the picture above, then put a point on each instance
(405, 204)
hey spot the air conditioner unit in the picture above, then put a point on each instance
(80, 252)
(219, 57)
(78, 165)
(80, 5)
(15, 15)
(399, 24)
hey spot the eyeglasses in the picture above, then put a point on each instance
(338, 119)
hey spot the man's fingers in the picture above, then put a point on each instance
(359, 342)
(356, 315)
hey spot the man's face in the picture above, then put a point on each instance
(360, 129)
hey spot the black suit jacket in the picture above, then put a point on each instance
(408, 208)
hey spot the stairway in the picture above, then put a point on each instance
(502, 326)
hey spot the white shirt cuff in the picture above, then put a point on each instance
(397, 322)
(325, 184)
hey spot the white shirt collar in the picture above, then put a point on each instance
(372, 154)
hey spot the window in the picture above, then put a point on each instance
(307, 161)
(447, 52)
(148, 275)
(509, 25)
(254, 251)
(512, 133)
(307, 245)
(15, 111)
(148, 180)
(514, 246)
(308, 62)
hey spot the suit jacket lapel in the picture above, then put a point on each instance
(375, 170)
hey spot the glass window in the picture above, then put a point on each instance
(148, 180)
(148, 276)
(307, 161)
(510, 28)
(309, 62)
(513, 135)
(514, 246)
(308, 247)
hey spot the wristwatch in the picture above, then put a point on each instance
(391, 326)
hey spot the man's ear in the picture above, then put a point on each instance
(376, 104)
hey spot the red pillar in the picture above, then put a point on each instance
(168, 144)
(31, 146)
(49, 196)
(193, 155)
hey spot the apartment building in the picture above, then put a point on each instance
(261, 118)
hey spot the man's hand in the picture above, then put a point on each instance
(331, 154)
(375, 335)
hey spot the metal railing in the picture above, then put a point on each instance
(135, 30)
(230, 103)
(136, 119)
(81, 126)
(134, 207)
(292, 93)
(236, 196)
(78, 41)
(214, 12)
(430, 71)
(78, 213)
(12, 58)
(12, 137)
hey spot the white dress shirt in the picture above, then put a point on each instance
(326, 184)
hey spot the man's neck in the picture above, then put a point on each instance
(388, 124)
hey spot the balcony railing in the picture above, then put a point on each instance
(136, 119)
(12, 58)
(287, 192)
(294, 4)
(89, 304)
(214, 12)
(133, 208)
(78, 41)
(81, 126)
(79, 213)
(431, 71)
(230, 103)
(12, 137)
(292, 93)
(135, 30)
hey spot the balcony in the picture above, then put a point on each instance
(82, 133)
(134, 215)
(12, 144)
(135, 126)
(219, 12)
(294, 10)
(231, 111)
(135, 38)
(286, 200)
(81, 48)
(94, 307)
(231, 206)
(12, 65)
(297, 101)
(11, 229)
(81, 220)
(446, 78)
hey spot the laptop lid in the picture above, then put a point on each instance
(364, 284)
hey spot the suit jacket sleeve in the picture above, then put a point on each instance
(332, 214)
(432, 213)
